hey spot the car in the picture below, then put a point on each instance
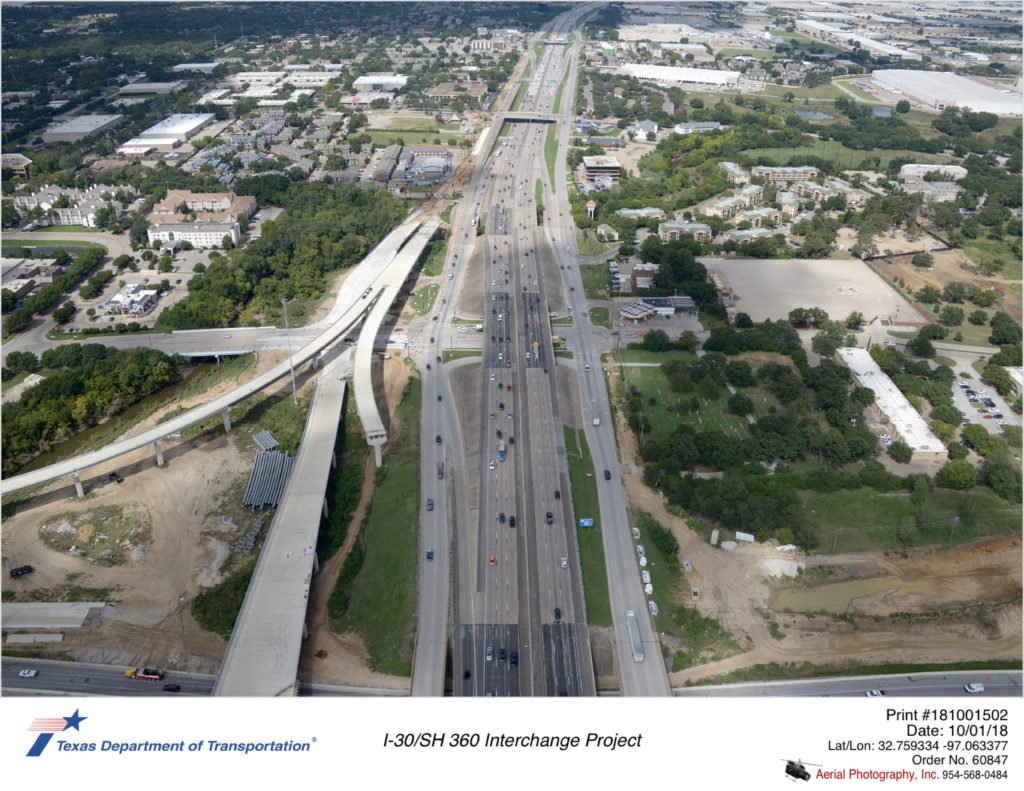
(430, 554)
(498, 432)
(564, 562)
(21, 571)
(512, 520)
(490, 464)
(26, 673)
(491, 561)
(428, 366)
(492, 375)
(988, 417)
(172, 687)
(515, 658)
(177, 282)
(489, 656)
(653, 607)
(437, 440)
(439, 397)
(974, 688)
(492, 416)
(875, 693)
(501, 518)
(501, 406)
(511, 440)
(430, 504)
(997, 415)
(558, 494)
(502, 655)
(607, 475)
(558, 613)
(549, 517)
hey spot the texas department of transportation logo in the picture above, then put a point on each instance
(47, 726)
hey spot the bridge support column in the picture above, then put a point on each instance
(316, 564)
(78, 484)
(159, 453)
(227, 419)
(377, 443)
(324, 508)
(334, 460)
(305, 631)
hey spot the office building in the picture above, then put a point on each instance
(80, 127)
(601, 167)
(199, 234)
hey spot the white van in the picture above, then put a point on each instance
(974, 689)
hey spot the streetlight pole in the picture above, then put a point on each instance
(284, 304)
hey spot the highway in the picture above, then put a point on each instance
(354, 298)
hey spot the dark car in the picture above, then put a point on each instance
(502, 655)
(549, 517)
(512, 521)
(607, 473)
(511, 440)
(515, 658)
(172, 687)
(558, 613)
(501, 517)
(558, 494)
(21, 571)
(438, 396)
(437, 440)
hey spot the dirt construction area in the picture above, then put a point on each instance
(769, 288)
(933, 606)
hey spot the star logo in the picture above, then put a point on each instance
(47, 726)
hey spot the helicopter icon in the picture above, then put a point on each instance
(797, 770)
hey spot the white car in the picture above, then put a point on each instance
(28, 673)
(490, 464)
(875, 693)
(564, 562)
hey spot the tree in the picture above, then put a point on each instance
(740, 404)
(958, 474)
(18, 320)
(855, 320)
(922, 259)
(901, 452)
(929, 295)
(743, 321)
(656, 341)
(903, 106)
(7, 301)
(63, 314)
(978, 317)
(921, 346)
(951, 316)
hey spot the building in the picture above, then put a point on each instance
(379, 82)
(676, 304)
(198, 234)
(848, 39)
(148, 88)
(180, 127)
(22, 275)
(606, 141)
(16, 163)
(603, 167)
(951, 172)
(132, 300)
(458, 90)
(696, 126)
(734, 173)
(683, 75)
(206, 206)
(891, 408)
(941, 89)
(69, 206)
(759, 217)
(776, 174)
(725, 208)
(636, 312)
(744, 236)
(605, 233)
(671, 231)
(644, 128)
(647, 213)
(204, 68)
(138, 147)
(751, 195)
(80, 127)
(642, 276)
(789, 203)
(854, 197)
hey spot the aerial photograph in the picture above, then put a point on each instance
(512, 349)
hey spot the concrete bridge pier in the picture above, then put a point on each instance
(227, 419)
(377, 442)
(78, 484)
(334, 460)
(159, 453)
(305, 631)
(324, 508)
(316, 564)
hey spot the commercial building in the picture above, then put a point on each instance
(605, 233)
(636, 312)
(696, 126)
(734, 173)
(139, 147)
(69, 206)
(891, 408)
(602, 167)
(644, 128)
(148, 88)
(16, 163)
(179, 127)
(198, 234)
(940, 89)
(682, 75)
(745, 235)
(204, 68)
(642, 276)
(776, 174)
(675, 304)
(380, 82)
(671, 231)
(22, 275)
(847, 39)
(80, 127)
(913, 177)
(132, 300)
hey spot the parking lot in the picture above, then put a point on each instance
(769, 288)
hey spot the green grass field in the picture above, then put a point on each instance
(434, 264)
(847, 158)
(385, 137)
(583, 479)
(561, 321)
(382, 608)
(984, 250)
(828, 91)
(763, 54)
(644, 356)
(423, 300)
(596, 279)
(447, 355)
(858, 92)
(406, 123)
(519, 96)
(588, 244)
(15, 243)
(861, 520)
(601, 317)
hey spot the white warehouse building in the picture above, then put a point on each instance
(682, 75)
(181, 126)
(941, 89)
(199, 234)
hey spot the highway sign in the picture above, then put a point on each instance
(586, 522)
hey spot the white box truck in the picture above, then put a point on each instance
(634, 636)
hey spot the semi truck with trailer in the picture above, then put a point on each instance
(501, 450)
(634, 636)
(144, 673)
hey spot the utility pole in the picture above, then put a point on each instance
(291, 367)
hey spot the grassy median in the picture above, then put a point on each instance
(585, 504)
